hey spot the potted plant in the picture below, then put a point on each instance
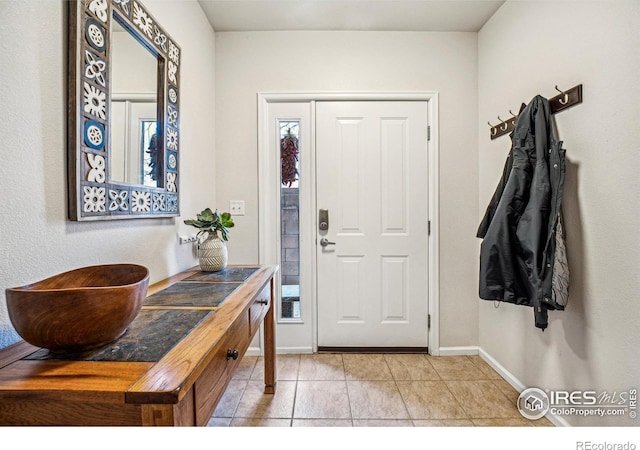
(212, 248)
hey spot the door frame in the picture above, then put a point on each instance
(268, 197)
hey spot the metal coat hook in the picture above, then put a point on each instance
(494, 130)
(505, 124)
(566, 96)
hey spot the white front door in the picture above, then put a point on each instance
(372, 179)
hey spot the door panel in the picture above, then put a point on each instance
(394, 159)
(371, 175)
(394, 289)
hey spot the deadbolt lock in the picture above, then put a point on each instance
(323, 218)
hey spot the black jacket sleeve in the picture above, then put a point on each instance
(493, 204)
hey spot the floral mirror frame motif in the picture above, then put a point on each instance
(92, 193)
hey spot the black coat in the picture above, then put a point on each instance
(522, 227)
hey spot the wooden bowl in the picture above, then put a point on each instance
(81, 309)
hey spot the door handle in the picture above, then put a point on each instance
(324, 242)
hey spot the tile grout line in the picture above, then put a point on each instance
(293, 407)
(295, 392)
(395, 382)
(233, 414)
(246, 385)
(455, 399)
(346, 385)
(469, 417)
(490, 380)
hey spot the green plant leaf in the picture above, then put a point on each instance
(226, 220)
(206, 215)
(195, 223)
(211, 222)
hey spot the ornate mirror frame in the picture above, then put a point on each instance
(93, 195)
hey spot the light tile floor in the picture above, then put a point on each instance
(389, 390)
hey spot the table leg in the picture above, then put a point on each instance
(270, 347)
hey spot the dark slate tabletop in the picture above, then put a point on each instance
(149, 337)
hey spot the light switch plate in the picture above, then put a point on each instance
(236, 207)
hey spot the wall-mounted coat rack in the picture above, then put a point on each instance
(558, 103)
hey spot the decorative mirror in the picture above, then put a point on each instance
(123, 146)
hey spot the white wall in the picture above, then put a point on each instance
(252, 62)
(36, 238)
(525, 49)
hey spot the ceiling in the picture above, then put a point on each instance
(370, 15)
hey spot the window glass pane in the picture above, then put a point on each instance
(151, 153)
(290, 220)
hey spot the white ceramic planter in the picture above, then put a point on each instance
(213, 254)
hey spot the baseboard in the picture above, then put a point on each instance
(517, 384)
(504, 373)
(294, 351)
(458, 351)
(255, 351)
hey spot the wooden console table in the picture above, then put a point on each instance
(170, 368)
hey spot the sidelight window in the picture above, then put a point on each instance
(290, 219)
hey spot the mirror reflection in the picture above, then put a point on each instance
(136, 150)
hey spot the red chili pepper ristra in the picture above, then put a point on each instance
(289, 159)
